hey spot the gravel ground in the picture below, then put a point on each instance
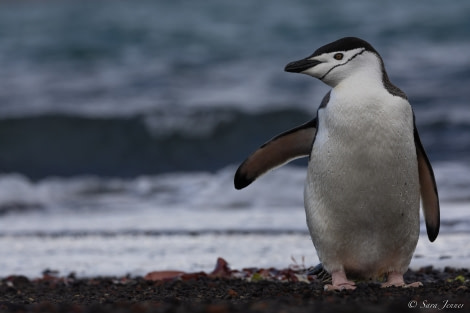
(255, 290)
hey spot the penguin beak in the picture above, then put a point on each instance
(301, 65)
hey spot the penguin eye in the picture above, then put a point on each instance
(338, 56)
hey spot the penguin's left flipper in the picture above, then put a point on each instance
(428, 188)
(292, 144)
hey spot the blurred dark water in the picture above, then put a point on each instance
(65, 145)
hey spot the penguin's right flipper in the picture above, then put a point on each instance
(428, 188)
(292, 144)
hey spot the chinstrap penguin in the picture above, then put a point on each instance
(366, 172)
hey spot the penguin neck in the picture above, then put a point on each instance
(370, 77)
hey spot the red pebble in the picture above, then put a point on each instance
(163, 275)
(221, 269)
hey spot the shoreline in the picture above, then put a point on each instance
(226, 290)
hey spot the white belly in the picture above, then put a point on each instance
(362, 189)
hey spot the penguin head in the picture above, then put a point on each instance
(338, 60)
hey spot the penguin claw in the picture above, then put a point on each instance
(416, 284)
(403, 285)
(341, 287)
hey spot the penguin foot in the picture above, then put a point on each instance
(341, 287)
(340, 282)
(396, 280)
(416, 284)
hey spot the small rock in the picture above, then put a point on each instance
(163, 275)
(232, 293)
(221, 269)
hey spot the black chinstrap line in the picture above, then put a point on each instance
(359, 53)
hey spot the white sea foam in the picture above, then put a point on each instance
(97, 226)
(139, 254)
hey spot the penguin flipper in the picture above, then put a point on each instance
(429, 195)
(290, 145)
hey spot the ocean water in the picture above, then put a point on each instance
(122, 124)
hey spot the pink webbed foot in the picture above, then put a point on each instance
(396, 280)
(340, 282)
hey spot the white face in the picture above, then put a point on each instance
(335, 66)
